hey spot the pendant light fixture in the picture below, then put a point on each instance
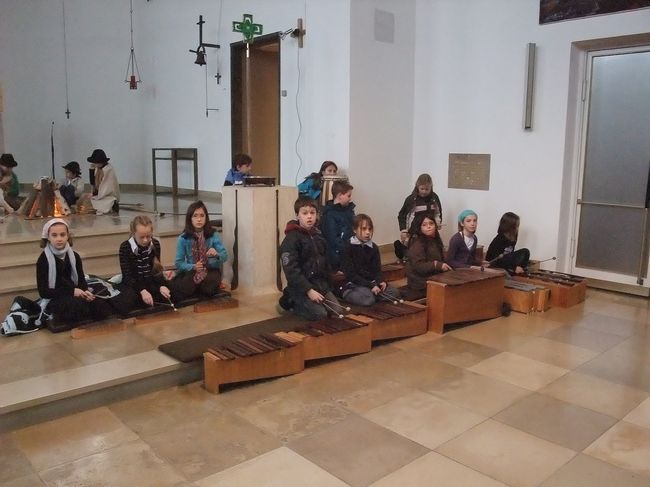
(132, 72)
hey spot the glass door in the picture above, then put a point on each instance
(611, 233)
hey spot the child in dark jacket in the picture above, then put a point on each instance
(462, 246)
(143, 282)
(361, 265)
(421, 199)
(305, 266)
(501, 253)
(337, 222)
(60, 278)
(425, 256)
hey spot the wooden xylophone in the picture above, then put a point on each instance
(389, 320)
(393, 272)
(283, 352)
(464, 295)
(525, 297)
(566, 289)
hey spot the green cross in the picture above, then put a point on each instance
(247, 28)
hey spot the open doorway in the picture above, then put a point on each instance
(255, 103)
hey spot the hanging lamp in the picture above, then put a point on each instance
(132, 72)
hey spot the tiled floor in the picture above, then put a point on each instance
(554, 399)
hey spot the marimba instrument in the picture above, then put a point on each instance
(526, 298)
(393, 272)
(259, 181)
(464, 295)
(566, 289)
(389, 320)
(283, 352)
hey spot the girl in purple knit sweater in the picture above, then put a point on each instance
(462, 246)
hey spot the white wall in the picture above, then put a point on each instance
(168, 109)
(469, 85)
(381, 113)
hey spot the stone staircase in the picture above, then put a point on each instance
(99, 252)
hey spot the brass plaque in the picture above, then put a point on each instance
(469, 171)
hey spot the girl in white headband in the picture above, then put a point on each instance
(60, 278)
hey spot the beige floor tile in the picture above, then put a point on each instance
(566, 315)
(292, 414)
(201, 448)
(130, 464)
(479, 393)
(455, 351)
(625, 445)
(557, 421)
(27, 481)
(107, 347)
(635, 348)
(630, 370)
(416, 342)
(412, 369)
(554, 353)
(358, 451)
(580, 336)
(593, 393)
(507, 454)
(13, 462)
(281, 467)
(586, 471)
(610, 324)
(165, 409)
(483, 334)
(435, 469)
(640, 415)
(626, 309)
(35, 362)
(357, 389)
(534, 324)
(72, 437)
(424, 418)
(39, 339)
(520, 371)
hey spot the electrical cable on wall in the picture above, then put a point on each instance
(299, 34)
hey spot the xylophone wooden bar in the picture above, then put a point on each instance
(566, 290)
(263, 356)
(525, 297)
(393, 272)
(346, 337)
(388, 320)
(464, 295)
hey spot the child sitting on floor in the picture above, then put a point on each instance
(425, 256)
(361, 265)
(73, 186)
(337, 222)
(241, 167)
(199, 254)
(312, 186)
(9, 186)
(143, 282)
(501, 253)
(60, 278)
(462, 246)
(302, 253)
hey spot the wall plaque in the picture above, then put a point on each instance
(469, 171)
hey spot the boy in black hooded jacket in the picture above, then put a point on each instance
(303, 255)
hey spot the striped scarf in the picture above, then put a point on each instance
(144, 262)
(199, 254)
